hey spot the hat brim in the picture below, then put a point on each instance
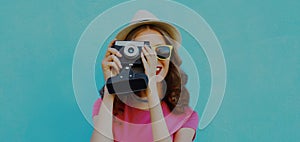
(170, 29)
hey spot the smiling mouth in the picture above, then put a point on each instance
(158, 69)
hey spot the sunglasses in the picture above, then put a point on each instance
(163, 52)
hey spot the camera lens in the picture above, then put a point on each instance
(130, 50)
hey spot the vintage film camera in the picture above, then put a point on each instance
(132, 77)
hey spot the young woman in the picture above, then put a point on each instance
(161, 112)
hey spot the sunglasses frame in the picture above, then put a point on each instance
(170, 47)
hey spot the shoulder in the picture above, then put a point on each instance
(192, 119)
(188, 119)
(184, 125)
(189, 128)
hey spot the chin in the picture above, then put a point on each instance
(160, 76)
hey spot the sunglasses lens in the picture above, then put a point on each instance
(163, 52)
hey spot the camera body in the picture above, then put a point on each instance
(132, 77)
(131, 51)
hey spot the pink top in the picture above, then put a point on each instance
(135, 124)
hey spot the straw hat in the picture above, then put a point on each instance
(143, 17)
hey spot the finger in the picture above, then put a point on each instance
(114, 66)
(146, 53)
(149, 58)
(109, 46)
(113, 51)
(144, 61)
(114, 72)
(150, 50)
(110, 65)
(112, 43)
(116, 60)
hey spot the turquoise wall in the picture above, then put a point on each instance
(260, 41)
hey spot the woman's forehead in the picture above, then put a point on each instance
(154, 37)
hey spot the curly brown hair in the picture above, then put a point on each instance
(177, 95)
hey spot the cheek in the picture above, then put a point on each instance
(165, 64)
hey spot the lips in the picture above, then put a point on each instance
(158, 69)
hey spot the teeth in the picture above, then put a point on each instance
(157, 69)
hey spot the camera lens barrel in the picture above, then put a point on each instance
(131, 51)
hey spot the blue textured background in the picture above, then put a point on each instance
(260, 40)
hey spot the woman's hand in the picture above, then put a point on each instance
(111, 64)
(150, 62)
